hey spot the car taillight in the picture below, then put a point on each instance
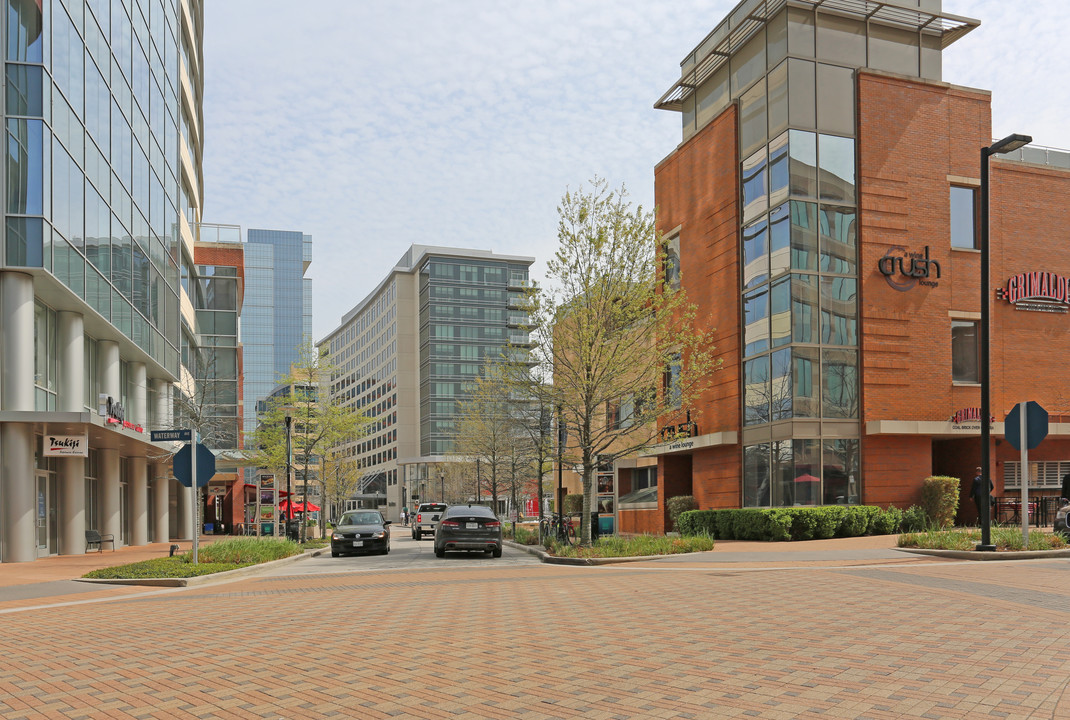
(494, 523)
(450, 523)
(419, 517)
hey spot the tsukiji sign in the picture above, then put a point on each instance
(1038, 292)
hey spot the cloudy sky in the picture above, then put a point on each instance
(375, 124)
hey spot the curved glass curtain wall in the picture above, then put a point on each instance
(794, 80)
(92, 163)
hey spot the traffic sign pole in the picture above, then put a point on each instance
(1024, 427)
(193, 495)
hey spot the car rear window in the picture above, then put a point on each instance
(470, 511)
(432, 507)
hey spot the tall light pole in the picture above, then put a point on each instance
(289, 461)
(441, 487)
(1006, 145)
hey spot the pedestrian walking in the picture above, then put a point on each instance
(977, 493)
(404, 516)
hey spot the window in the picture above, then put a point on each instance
(672, 262)
(671, 383)
(964, 351)
(963, 218)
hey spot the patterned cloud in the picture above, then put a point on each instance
(374, 125)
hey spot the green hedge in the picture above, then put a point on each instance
(794, 523)
(940, 498)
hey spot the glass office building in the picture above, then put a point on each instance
(277, 312)
(404, 355)
(102, 185)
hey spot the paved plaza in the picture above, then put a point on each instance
(831, 629)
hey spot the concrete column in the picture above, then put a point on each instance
(110, 518)
(17, 482)
(16, 341)
(19, 492)
(160, 498)
(109, 379)
(185, 513)
(71, 349)
(139, 400)
(139, 496)
(71, 505)
(164, 417)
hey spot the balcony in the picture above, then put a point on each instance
(518, 281)
(517, 320)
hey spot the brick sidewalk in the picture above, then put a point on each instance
(947, 640)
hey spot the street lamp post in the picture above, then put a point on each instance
(441, 488)
(1006, 145)
(289, 495)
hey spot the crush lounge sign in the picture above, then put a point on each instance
(1037, 292)
(905, 269)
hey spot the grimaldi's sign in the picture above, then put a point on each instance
(1037, 292)
(905, 269)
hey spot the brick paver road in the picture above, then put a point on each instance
(649, 640)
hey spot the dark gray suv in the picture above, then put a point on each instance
(468, 527)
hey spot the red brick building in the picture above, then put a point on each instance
(824, 201)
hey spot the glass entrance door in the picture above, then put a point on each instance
(42, 514)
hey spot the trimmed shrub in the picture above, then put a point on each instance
(915, 519)
(574, 503)
(677, 505)
(695, 522)
(775, 524)
(940, 499)
(859, 521)
(887, 522)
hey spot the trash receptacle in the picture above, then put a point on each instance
(293, 530)
(594, 526)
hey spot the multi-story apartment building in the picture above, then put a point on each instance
(404, 354)
(824, 202)
(103, 185)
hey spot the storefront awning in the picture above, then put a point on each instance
(684, 446)
(946, 430)
(101, 434)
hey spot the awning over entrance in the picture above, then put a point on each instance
(946, 430)
(685, 446)
(101, 435)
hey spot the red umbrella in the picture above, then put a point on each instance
(807, 478)
(285, 507)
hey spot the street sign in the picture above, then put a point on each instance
(1036, 423)
(172, 435)
(205, 465)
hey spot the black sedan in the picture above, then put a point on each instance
(468, 527)
(361, 531)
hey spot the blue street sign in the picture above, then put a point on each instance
(205, 465)
(1036, 425)
(172, 435)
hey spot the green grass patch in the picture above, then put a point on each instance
(633, 546)
(216, 557)
(1006, 538)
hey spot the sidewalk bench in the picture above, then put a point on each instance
(92, 537)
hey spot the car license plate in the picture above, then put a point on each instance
(471, 526)
(358, 543)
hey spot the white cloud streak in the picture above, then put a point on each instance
(374, 125)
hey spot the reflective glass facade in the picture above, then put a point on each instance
(277, 311)
(93, 108)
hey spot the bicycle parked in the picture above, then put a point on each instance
(565, 531)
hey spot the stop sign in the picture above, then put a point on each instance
(1036, 425)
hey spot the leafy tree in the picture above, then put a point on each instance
(318, 421)
(625, 350)
(485, 431)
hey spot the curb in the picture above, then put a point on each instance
(554, 560)
(224, 576)
(975, 555)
